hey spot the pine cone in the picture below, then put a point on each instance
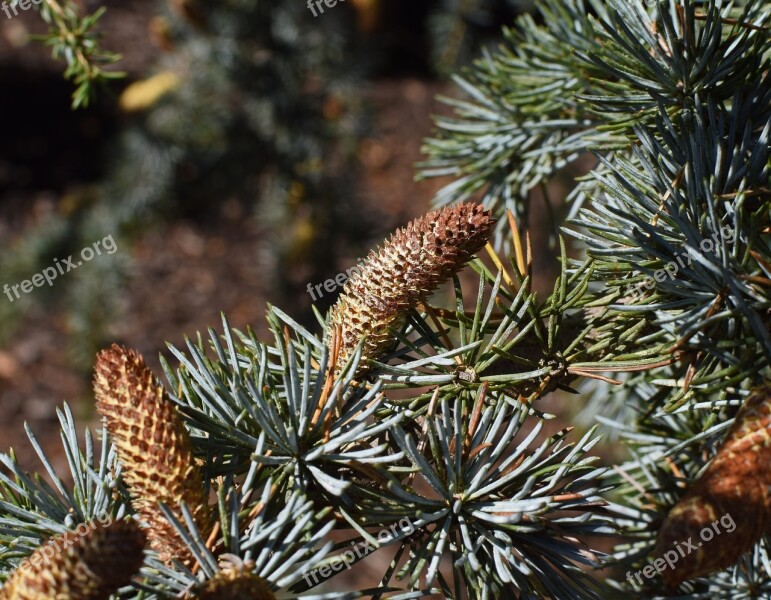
(80, 566)
(236, 584)
(153, 446)
(735, 487)
(406, 270)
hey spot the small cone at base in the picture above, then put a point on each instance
(90, 566)
(235, 584)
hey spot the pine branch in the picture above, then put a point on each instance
(582, 81)
(33, 510)
(72, 37)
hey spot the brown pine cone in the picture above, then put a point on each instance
(153, 446)
(405, 271)
(235, 584)
(731, 499)
(79, 565)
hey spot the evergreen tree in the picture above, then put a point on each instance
(401, 423)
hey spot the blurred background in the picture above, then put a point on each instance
(251, 149)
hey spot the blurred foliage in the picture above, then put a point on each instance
(72, 36)
(253, 103)
(459, 28)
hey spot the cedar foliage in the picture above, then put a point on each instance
(308, 460)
